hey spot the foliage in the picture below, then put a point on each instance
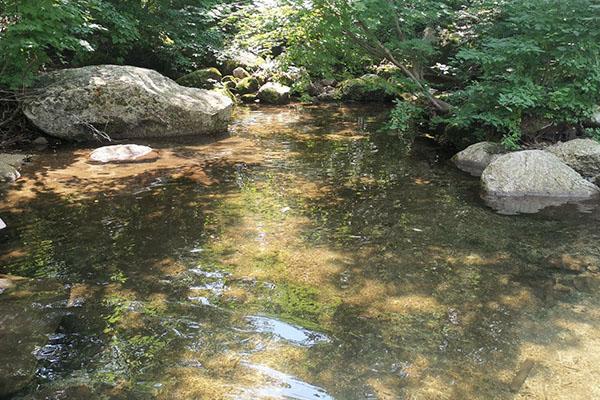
(32, 32)
(172, 36)
(593, 133)
(403, 119)
(539, 62)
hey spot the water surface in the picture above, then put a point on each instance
(305, 255)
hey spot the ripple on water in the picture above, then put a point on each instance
(288, 332)
(282, 386)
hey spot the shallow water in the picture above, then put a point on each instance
(303, 256)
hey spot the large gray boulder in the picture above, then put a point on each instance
(123, 102)
(583, 155)
(535, 173)
(476, 157)
(531, 180)
(30, 311)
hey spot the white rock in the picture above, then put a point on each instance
(122, 153)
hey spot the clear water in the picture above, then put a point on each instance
(303, 256)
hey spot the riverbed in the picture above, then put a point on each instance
(306, 254)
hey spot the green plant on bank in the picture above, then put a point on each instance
(536, 67)
(404, 118)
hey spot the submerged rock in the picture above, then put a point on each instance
(9, 166)
(274, 93)
(532, 180)
(583, 155)
(30, 310)
(476, 157)
(123, 153)
(123, 102)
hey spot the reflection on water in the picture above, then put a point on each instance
(305, 256)
(285, 331)
(283, 386)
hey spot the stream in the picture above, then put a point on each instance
(305, 255)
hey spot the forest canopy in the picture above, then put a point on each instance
(467, 70)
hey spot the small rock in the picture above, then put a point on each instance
(9, 166)
(123, 153)
(240, 73)
(274, 93)
(476, 157)
(40, 141)
(8, 173)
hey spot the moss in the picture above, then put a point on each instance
(229, 85)
(202, 78)
(247, 85)
(229, 78)
(224, 90)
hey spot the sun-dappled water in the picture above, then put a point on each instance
(306, 255)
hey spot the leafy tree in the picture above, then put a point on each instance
(406, 33)
(35, 32)
(172, 36)
(537, 67)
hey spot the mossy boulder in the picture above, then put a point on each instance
(202, 79)
(274, 93)
(247, 85)
(368, 88)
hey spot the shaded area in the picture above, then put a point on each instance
(304, 254)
